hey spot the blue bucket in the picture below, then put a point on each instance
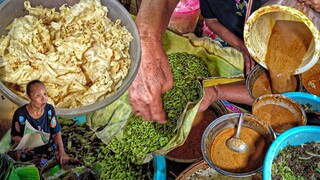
(305, 98)
(295, 136)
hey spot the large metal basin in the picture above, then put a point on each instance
(10, 9)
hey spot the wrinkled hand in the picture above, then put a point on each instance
(210, 95)
(154, 78)
(314, 4)
(248, 60)
(62, 157)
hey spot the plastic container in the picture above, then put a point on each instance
(257, 72)
(185, 16)
(259, 25)
(277, 99)
(230, 121)
(295, 136)
(11, 9)
(159, 165)
(305, 98)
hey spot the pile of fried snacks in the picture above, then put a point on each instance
(78, 52)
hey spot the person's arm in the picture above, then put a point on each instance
(154, 76)
(236, 92)
(62, 155)
(225, 34)
(314, 4)
(153, 18)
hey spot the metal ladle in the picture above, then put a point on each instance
(236, 143)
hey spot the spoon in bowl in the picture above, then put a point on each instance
(236, 143)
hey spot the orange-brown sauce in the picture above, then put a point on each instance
(278, 117)
(288, 43)
(262, 85)
(232, 161)
(311, 80)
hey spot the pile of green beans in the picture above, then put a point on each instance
(122, 157)
(82, 143)
(118, 166)
(142, 137)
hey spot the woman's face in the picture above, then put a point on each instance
(38, 95)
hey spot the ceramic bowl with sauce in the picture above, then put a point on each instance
(310, 80)
(257, 134)
(258, 28)
(280, 112)
(258, 82)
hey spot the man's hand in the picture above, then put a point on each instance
(154, 78)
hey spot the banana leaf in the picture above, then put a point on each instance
(25, 173)
(5, 143)
(223, 62)
(110, 120)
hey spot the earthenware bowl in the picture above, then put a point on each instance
(277, 99)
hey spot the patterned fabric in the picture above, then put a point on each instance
(230, 13)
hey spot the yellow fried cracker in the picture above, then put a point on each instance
(78, 52)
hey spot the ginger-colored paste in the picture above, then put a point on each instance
(288, 43)
(261, 86)
(278, 117)
(311, 80)
(232, 161)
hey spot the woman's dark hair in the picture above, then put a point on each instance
(32, 83)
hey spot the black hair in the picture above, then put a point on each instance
(32, 83)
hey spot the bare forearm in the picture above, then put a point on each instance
(154, 16)
(224, 33)
(58, 141)
(234, 92)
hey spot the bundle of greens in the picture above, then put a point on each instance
(11, 169)
(79, 141)
(6, 166)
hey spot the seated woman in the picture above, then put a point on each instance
(42, 117)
